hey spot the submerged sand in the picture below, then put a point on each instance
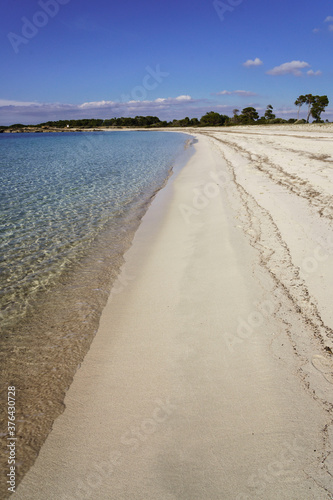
(211, 374)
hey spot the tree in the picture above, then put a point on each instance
(249, 115)
(235, 119)
(318, 106)
(299, 102)
(212, 119)
(309, 100)
(194, 122)
(269, 115)
(185, 122)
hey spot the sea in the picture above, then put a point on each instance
(70, 203)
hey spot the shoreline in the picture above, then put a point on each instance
(189, 390)
(233, 128)
(42, 351)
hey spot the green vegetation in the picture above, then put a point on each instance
(316, 106)
(213, 119)
(138, 121)
(248, 116)
(269, 113)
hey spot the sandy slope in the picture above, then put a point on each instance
(211, 375)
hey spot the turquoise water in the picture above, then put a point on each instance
(58, 192)
(70, 204)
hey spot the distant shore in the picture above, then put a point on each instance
(283, 126)
(211, 373)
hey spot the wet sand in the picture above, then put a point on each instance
(210, 376)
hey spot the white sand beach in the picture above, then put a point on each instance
(210, 377)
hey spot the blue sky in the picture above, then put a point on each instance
(104, 58)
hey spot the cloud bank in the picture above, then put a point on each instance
(30, 113)
(33, 112)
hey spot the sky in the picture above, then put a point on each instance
(70, 59)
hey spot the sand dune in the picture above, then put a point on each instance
(211, 374)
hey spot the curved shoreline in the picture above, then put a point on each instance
(61, 327)
(206, 370)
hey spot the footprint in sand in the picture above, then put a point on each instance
(324, 365)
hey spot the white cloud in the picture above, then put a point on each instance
(174, 100)
(292, 67)
(254, 62)
(329, 19)
(96, 104)
(6, 102)
(313, 73)
(159, 100)
(244, 93)
(316, 30)
(184, 98)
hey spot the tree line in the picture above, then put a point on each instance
(248, 116)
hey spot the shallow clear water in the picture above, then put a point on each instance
(70, 204)
(59, 191)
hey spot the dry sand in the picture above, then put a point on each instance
(211, 374)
